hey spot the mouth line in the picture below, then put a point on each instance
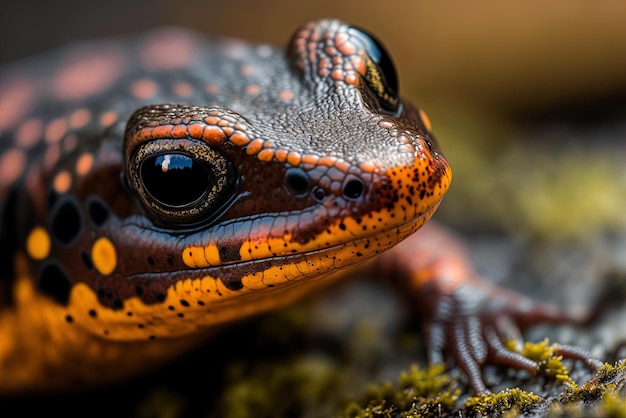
(259, 264)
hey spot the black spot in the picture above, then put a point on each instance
(184, 302)
(98, 212)
(141, 326)
(229, 253)
(53, 281)
(170, 261)
(171, 308)
(118, 304)
(139, 290)
(160, 297)
(151, 261)
(86, 260)
(66, 221)
(201, 303)
(93, 313)
(181, 315)
(152, 337)
(69, 319)
(232, 285)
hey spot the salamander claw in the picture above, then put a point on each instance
(473, 328)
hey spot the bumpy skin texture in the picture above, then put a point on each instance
(157, 187)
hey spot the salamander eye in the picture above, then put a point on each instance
(181, 183)
(380, 75)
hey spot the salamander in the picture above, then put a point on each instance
(157, 187)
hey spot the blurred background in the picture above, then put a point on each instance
(508, 86)
(528, 101)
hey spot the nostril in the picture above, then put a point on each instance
(297, 181)
(353, 188)
(319, 194)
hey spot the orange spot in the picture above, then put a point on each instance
(183, 89)
(104, 256)
(168, 49)
(80, 118)
(55, 130)
(328, 161)
(84, 164)
(16, 99)
(286, 94)
(254, 147)
(12, 163)
(62, 182)
(212, 88)
(252, 89)
(38, 243)
(108, 118)
(266, 155)
(144, 88)
(294, 158)
(281, 155)
(29, 133)
(368, 167)
(310, 159)
(239, 139)
(87, 73)
(426, 121)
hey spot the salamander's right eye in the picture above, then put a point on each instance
(381, 75)
(181, 182)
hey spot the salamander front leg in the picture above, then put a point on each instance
(467, 319)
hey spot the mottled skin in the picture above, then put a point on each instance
(158, 187)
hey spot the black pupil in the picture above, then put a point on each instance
(175, 180)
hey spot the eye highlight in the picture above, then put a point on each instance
(175, 180)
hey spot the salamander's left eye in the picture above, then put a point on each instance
(181, 182)
(381, 75)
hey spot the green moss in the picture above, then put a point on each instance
(614, 405)
(550, 365)
(279, 389)
(162, 403)
(513, 400)
(603, 396)
(418, 393)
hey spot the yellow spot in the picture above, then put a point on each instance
(104, 256)
(426, 121)
(38, 243)
(199, 257)
(212, 255)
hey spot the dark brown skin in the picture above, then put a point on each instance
(155, 188)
